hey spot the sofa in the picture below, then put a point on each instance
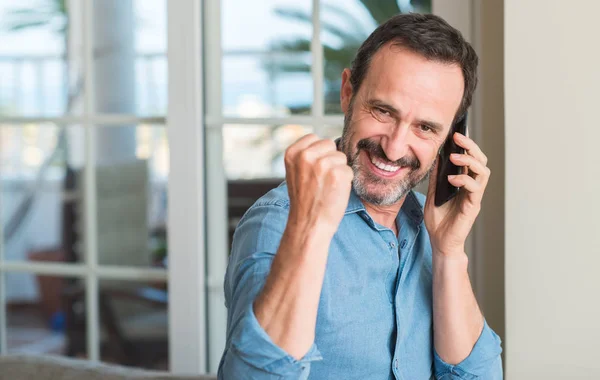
(23, 367)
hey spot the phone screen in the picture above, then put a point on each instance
(444, 190)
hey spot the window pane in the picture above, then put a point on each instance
(266, 58)
(340, 42)
(131, 190)
(130, 56)
(263, 85)
(258, 25)
(38, 317)
(34, 187)
(40, 60)
(257, 151)
(134, 323)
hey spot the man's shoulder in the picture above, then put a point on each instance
(272, 208)
(277, 197)
(260, 229)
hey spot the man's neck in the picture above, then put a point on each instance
(385, 215)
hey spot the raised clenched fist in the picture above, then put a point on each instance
(319, 181)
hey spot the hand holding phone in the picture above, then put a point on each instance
(444, 190)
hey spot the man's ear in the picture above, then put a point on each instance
(346, 91)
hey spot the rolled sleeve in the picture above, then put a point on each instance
(484, 361)
(254, 353)
(250, 352)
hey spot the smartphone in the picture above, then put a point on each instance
(444, 190)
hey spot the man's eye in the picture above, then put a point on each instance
(425, 128)
(382, 111)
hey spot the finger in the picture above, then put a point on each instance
(331, 160)
(320, 148)
(302, 143)
(338, 177)
(313, 152)
(471, 147)
(468, 183)
(346, 172)
(481, 172)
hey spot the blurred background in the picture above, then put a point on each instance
(85, 154)
(135, 133)
(53, 139)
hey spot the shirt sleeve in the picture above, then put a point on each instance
(249, 352)
(484, 361)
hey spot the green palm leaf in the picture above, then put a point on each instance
(54, 13)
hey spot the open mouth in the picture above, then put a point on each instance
(383, 169)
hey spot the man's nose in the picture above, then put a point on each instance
(396, 144)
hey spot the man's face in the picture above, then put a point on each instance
(395, 124)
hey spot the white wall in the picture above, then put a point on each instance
(552, 79)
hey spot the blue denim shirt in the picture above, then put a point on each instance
(375, 312)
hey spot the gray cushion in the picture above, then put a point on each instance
(24, 367)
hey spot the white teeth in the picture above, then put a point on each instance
(382, 166)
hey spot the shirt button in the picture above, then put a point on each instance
(396, 363)
(392, 245)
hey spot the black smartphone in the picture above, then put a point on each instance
(444, 190)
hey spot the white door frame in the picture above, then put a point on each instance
(185, 124)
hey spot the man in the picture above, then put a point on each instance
(343, 272)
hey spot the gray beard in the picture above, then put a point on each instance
(383, 198)
(392, 193)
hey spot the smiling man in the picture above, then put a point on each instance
(343, 271)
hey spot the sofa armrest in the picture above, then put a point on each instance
(25, 367)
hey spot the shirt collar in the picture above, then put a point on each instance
(354, 203)
(413, 208)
